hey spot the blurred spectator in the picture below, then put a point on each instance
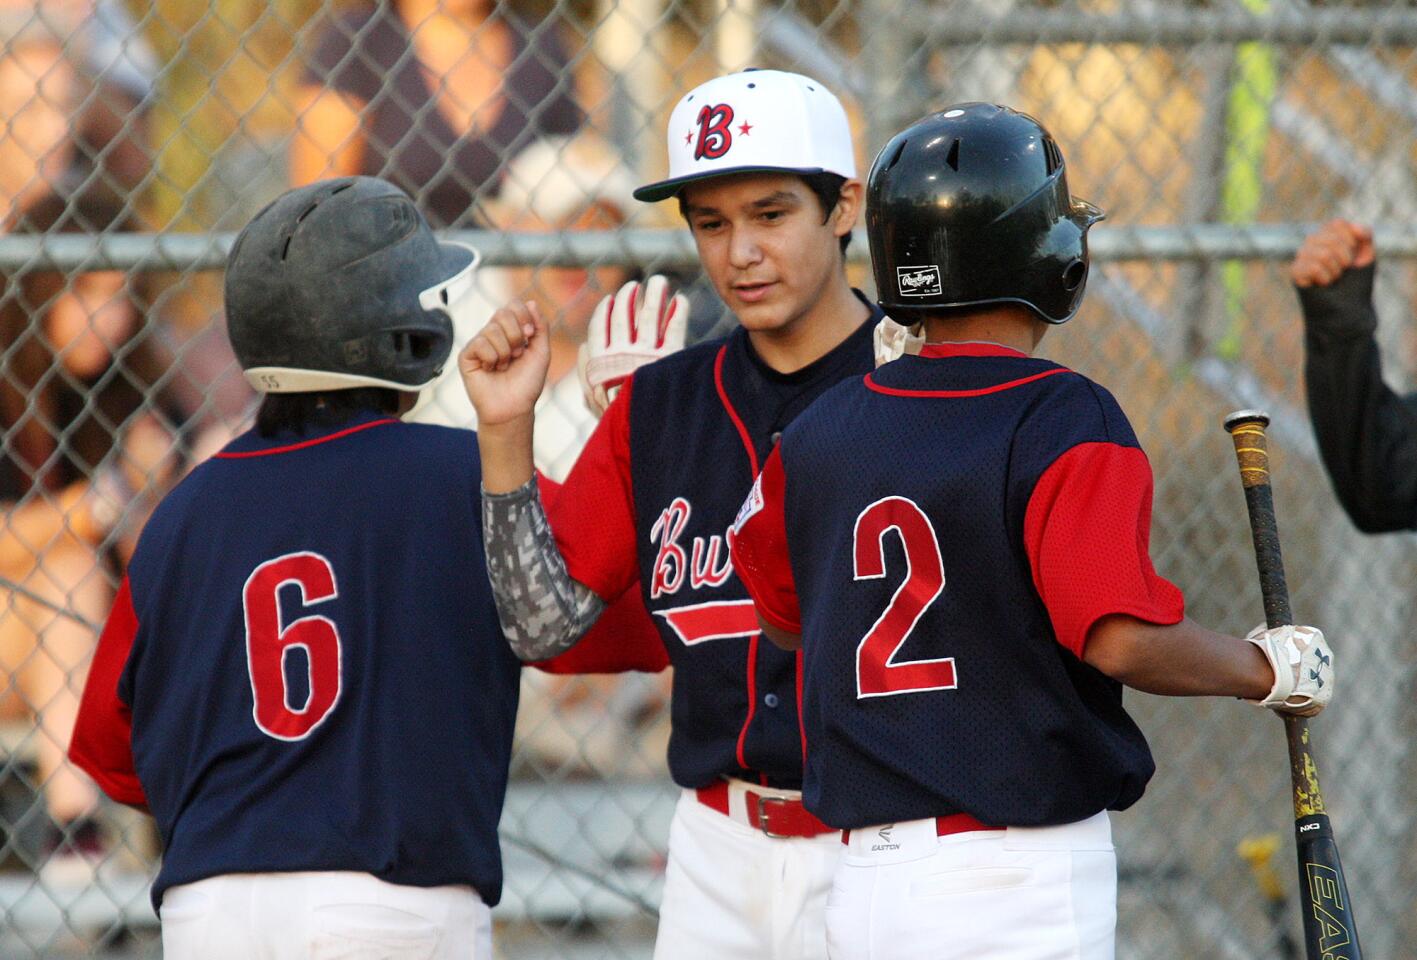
(85, 457)
(111, 127)
(562, 183)
(39, 93)
(75, 76)
(434, 95)
(61, 335)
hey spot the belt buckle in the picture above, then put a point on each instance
(763, 817)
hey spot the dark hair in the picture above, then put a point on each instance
(826, 187)
(302, 413)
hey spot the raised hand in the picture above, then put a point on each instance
(1331, 250)
(504, 366)
(636, 325)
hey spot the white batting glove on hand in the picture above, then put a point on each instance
(892, 340)
(636, 325)
(1303, 668)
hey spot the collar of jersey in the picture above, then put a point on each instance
(252, 444)
(844, 353)
(969, 348)
(936, 372)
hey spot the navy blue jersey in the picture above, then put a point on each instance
(306, 658)
(942, 534)
(653, 497)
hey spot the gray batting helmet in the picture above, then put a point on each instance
(341, 284)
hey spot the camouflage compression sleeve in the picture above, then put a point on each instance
(543, 611)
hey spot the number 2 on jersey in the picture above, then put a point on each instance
(877, 673)
(268, 641)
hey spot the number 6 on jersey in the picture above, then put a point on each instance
(877, 673)
(268, 642)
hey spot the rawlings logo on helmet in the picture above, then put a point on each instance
(918, 281)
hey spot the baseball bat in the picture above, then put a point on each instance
(1330, 932)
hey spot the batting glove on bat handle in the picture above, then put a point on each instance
(1303, 668)
(638, 324)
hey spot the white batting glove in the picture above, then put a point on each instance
(1303, 668)
(636, 325)
(894, 339)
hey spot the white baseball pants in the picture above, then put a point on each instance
(731, 891)
(324, 916)
(1038, 893)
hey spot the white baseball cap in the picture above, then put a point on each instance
(756, 120)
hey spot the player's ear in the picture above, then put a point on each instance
(848, 207)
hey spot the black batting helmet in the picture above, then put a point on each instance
(341, 284)
(970, 206)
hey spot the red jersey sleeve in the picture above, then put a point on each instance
(1087, 532)
(593, 514)
(759, 548)
(624, 637)
(102, 741)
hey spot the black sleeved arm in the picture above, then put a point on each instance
(1367, 434)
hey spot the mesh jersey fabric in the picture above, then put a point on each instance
(653, 497)
(935, 681)
(375, 532)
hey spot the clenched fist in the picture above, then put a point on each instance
(504, 366)
(1329, 251)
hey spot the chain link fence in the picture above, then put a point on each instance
(138, 136)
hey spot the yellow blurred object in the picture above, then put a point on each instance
(1258, 852)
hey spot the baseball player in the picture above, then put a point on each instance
(302, 677)
(1367, 432)
(762, 165)
(958, 544)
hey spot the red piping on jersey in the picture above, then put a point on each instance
(732, 413)
(753, 465)
(243, 454)
(968, 348)
(801, 724)
(959, 394)
(752, 698)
